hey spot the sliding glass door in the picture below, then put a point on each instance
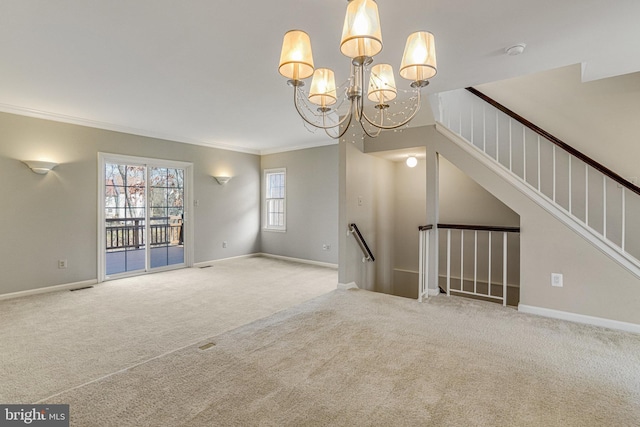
(125, 218)
(166, 204)
(143, 215)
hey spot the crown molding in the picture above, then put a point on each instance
(63, 118)
(298, 147)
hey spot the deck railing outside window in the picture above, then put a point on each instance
(127, 233)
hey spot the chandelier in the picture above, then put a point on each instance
(335, 108)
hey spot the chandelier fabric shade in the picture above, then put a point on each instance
(382, 84)
(323, 87)
(361, 34)
(419, 58)
(296, 58)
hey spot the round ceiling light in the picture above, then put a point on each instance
(412, 161)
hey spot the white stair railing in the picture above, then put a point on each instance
(602, 201)
(481, 261)
(477, 260)
(423, 268)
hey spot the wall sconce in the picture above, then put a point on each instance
(412, 161)
(222, 180)
(40, 167)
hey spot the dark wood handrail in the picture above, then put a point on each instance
(363, 243)
(480, 228)
(472, 227)
(586, 159)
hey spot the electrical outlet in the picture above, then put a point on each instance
(556, 280)
(62, 263)
(196, 202)
(224, 244)
(326, 247)
(359, 200)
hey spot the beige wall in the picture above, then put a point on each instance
(394, 205)
(410, 208)
(51, 217)
(594, 284)
(598, 118)
(461, 201)
(464, 201)
(371, 181)
(312, 204)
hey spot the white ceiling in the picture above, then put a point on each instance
(205, 72)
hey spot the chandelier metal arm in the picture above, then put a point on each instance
(396, 126)
(295, 102)
(344, 129)
(358, 101)
(370, 135)
(360, 113)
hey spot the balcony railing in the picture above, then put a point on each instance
(128, 233)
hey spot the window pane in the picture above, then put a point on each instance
(180, 177)
(275, 193)
(275, 212)
(135, 175)
(175, 198)
(158, 197)
(158, 212)
(275, 185)
(159, 177)
(174, 178)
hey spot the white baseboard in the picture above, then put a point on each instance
(266, 255)
(214, 261)
(402, 270)
(580, 318)
(346, 286)
(47, 289)
(300, 260)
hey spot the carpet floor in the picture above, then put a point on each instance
(263, 342)
(52, 342)
(357, 358)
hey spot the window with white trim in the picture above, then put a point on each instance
(275, 215)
